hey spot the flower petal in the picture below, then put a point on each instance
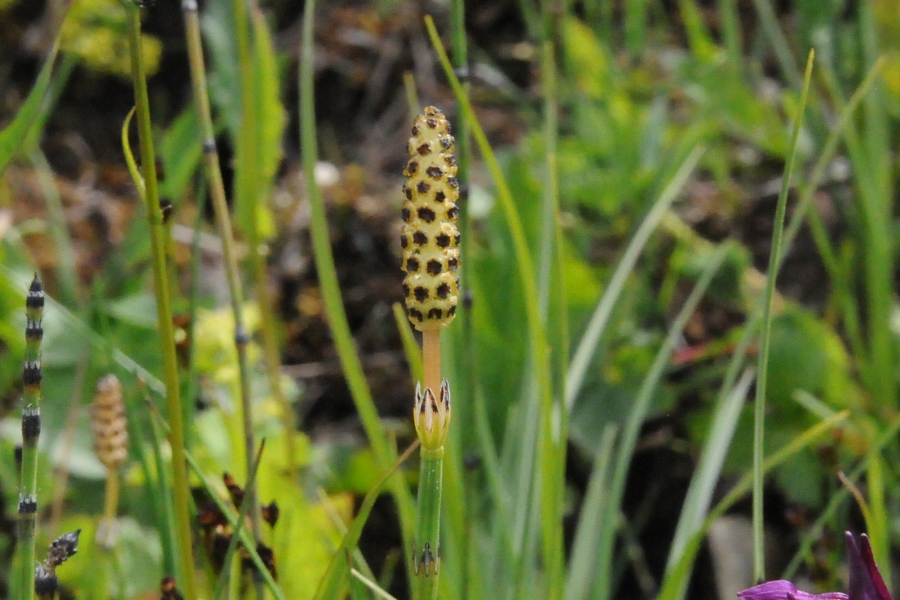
(866, 582)
(785, 590)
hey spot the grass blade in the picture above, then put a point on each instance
(763, 362)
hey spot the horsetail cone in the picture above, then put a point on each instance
(430, 239)
(109, 424)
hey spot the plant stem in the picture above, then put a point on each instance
(428, 519)
(31, 431)
(385, 455)
(223, 224)
(763, 362)
(163, 304)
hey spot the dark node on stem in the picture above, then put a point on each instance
(160, 169)
(31, 425)
(168, 589)
(209, 146)
(63, 548)
(165, 207)
(31, 373)
(46, 584)
(34, 332)
(426, 560)
(241, 337)
(471, 462)
(468, 299)
(17, 455)
(270, 513)
(27, 505)
(463, 191)
(35, 298)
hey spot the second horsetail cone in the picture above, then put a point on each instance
(429, 238)
(109, 424)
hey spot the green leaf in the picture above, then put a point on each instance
(14, 135)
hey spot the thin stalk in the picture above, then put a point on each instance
(111, 497)
(223, 224)
(31, 432)
(763, 366)
(163, 304)
(385, 455)
(428, 520)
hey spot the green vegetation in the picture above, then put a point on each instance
(676, 298)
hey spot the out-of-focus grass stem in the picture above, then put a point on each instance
(763, 363)
(163, 303)
(337, 317)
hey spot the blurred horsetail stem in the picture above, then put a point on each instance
(430, 242)
(31, 431)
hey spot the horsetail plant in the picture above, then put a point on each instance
(109, 427)
(31, 432)
(430, 242)
(46, 584)
(150, 194)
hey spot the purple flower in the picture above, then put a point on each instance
(865, 580)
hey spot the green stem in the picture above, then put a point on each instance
(247, 188)
(31, 431)
(223, 225)
(759, 417)
(163, 304)
(427, 549)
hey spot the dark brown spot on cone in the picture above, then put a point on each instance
(443, 240)
(421, 293)
(453, 182)
(404, 241)
(435, 267)
(432, 123)
(435, 313)
(426, 214)
(453, 212)
(434, 172)
(440, 196)
(443, 290)
(422, 187)
(412, 265)
(420, 238)
(424, 149)
(412, 167)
